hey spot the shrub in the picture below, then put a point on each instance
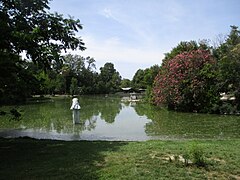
(198, 156)
(187, 82)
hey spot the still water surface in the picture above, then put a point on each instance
(109, 118)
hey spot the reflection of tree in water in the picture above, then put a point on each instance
(90, 123)
(92, 106)
(128, 103)
(186, 125)
(48, 116)
(55, 115)
(88, 113)
(109, 109)
(106, 107)
(143, 109)
(163, 122)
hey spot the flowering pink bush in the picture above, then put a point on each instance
(185, 80)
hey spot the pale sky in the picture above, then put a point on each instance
(135, 34)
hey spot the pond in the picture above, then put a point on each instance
(110, 118)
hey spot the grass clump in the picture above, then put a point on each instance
(198, 156)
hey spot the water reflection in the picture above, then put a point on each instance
(108, 118)
(174, 125)
(100, 118)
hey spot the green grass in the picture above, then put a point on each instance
(25, 158)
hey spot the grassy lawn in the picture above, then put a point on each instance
(26, 158)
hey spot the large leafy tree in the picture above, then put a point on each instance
(83, 69)
(145, 78)
(126, 83)
(16, 80)
(75, 63)
(138, 79)
(28, 27)
(229, 67)
(186, 46)
(187, 82)
(150, 74)
(109, 79)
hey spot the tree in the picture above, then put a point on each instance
(16, 80)
(91, 63)
(144, 79)
(229, 68)
(150, 74)
(60, 84)
(109, 79)
(125, 83)
(187, 82)
(234, 37)
(74, 86)
(186, 46)
(138, 79)
(83, 69)
(27, 26)
(75, 63)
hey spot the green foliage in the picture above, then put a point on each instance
(186, 82)
(197, 153)
(185, 46)
(198, 87)
(87, 80)
(138, 79)
(28, 27)
(13, 114)
(229, 69)
(144, 79)
(109, 79)
(16, 115)
(194, 154)
(60, 83)
(126, 83)
(74, 63)
(233, 38)
(149, 96)
(16, 81)
(74, 86)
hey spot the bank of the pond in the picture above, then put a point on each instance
(25, 158)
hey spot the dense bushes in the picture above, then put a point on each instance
(192, 77)
(186, 82)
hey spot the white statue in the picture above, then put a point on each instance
(76, 110)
